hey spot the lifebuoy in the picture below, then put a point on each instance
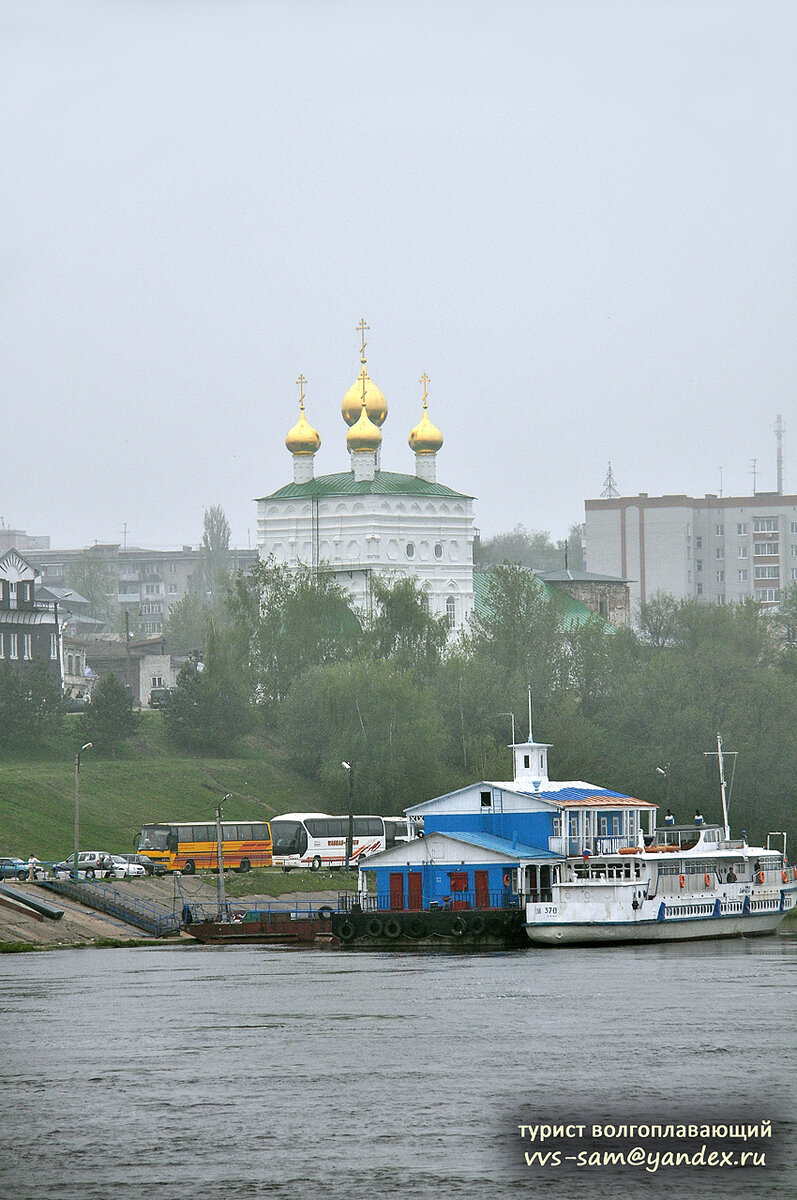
(416, 928)
(458, 927)
(784, 876)
(507, 879)
(393, 928)
(760, 876)
(707, 879)
(325, 912)
(374, 928)
(346, 932)
(682, 880)
(795, 872)
(478, 925)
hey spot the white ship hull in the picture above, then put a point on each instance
(578, 923)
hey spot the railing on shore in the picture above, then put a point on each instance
(153, 918)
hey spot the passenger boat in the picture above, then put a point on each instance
(683, 882)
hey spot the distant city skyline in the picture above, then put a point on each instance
(577, 219)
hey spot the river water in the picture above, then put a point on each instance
(246, 1072)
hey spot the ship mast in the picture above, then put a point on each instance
(220, 858)
(723, 790)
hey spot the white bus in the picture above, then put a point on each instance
(318, 840)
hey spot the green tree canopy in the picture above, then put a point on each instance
(208, 710)
(214, 551)
(370, 714)
(531, 548)
(403, 629)
(109, 718)
(89, 575)
(285, 622)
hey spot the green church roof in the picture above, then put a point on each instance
(384, 483)
(573, 611)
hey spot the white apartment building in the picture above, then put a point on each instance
(721, 549)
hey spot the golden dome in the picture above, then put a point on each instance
(364, 434)
(303, 439)
(425, 438)
(375, 402)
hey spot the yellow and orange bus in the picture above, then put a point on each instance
(190, 846)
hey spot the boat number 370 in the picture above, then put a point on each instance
(549, 910)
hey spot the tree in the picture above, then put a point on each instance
(29, 704)
(17, 724)
(284, 622)
(403, 629)
(214, 551)
(109, 718)
(370, 714)
(208, 709)
(187, 624)
(520, 629)
(90, 576)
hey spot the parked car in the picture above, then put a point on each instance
(150, 866)
(13, 868)
(91, 864)
(123, 868)
(158, 697)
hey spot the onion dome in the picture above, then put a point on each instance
(364, 434)
(375, 402)
(303, 439)
(425, 438)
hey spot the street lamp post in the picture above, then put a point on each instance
(350, 838)
(87, 746)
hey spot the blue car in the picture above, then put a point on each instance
(13, 868)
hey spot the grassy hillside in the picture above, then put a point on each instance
(148, 781)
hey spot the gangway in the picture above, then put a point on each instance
(152, 918)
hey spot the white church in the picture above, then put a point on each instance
(365, 521)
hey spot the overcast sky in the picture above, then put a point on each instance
(577, 217)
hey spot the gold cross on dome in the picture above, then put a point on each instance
(364, 377)
(301, 382)
(362, 328)
(424, 379)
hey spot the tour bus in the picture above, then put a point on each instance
(189, 847)
(318, 840)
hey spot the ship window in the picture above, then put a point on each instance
(526, 760)
(487, 799)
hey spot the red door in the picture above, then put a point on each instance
(482, 888)
(415, 890)
(458, 882)
(396, 891)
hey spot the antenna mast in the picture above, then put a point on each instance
(780, 429)
(610, 491)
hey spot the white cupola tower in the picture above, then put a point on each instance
(531, 763)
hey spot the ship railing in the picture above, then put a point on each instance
(243, 910)
(604, 844)
(484, 901)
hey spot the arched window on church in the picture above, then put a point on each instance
(410, 549)
(451, 611)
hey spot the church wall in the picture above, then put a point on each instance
(429, 537)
